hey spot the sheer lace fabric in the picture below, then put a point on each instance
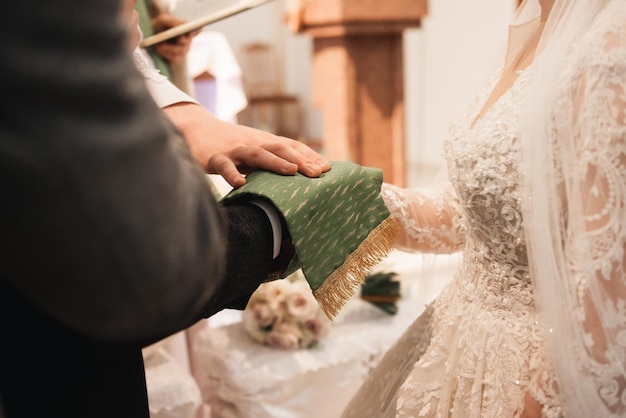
(592, 189)
(429, 219)
(486, 343)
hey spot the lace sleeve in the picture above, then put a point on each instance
(598, 248)
(544, 390)
(428, 219)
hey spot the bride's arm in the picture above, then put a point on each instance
(428, 220)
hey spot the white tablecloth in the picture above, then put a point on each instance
(240, 378)
(172, 391)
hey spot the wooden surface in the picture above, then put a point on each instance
(326, 12)
(358, 80)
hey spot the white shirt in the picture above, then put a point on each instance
(161, 89)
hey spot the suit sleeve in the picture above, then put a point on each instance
(108, 225)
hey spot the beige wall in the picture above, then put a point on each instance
(448, 60)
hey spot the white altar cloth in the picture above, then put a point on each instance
(240, 378)
(172, 391)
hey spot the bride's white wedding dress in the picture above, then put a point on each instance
(477, 349)
(483, 340)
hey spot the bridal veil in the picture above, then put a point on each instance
(574, 151)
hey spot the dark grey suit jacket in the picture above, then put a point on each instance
(110, 238)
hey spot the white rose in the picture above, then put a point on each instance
(301, 303)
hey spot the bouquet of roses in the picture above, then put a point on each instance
(284, 314)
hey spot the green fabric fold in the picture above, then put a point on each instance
(338, 222)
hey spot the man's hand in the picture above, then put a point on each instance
(234, 150)
(174, 50)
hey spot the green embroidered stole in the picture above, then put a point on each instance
(338, 222)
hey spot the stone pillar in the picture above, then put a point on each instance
(358, 77)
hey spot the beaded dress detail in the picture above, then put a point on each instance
(472, 368)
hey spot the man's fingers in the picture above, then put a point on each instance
(309, 162)
(312, 155)
(258, 157)
(224, 166)
(281, 157)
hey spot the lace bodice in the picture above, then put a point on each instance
(481, 208)
(480, 213)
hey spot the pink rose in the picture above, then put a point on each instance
(271, 292)
(317, 327)
(284, 314)
(284, 340)
(301, 303)
(263, 314)
(277, 289)
(284, 335)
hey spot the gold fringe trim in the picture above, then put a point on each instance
(342, 283)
